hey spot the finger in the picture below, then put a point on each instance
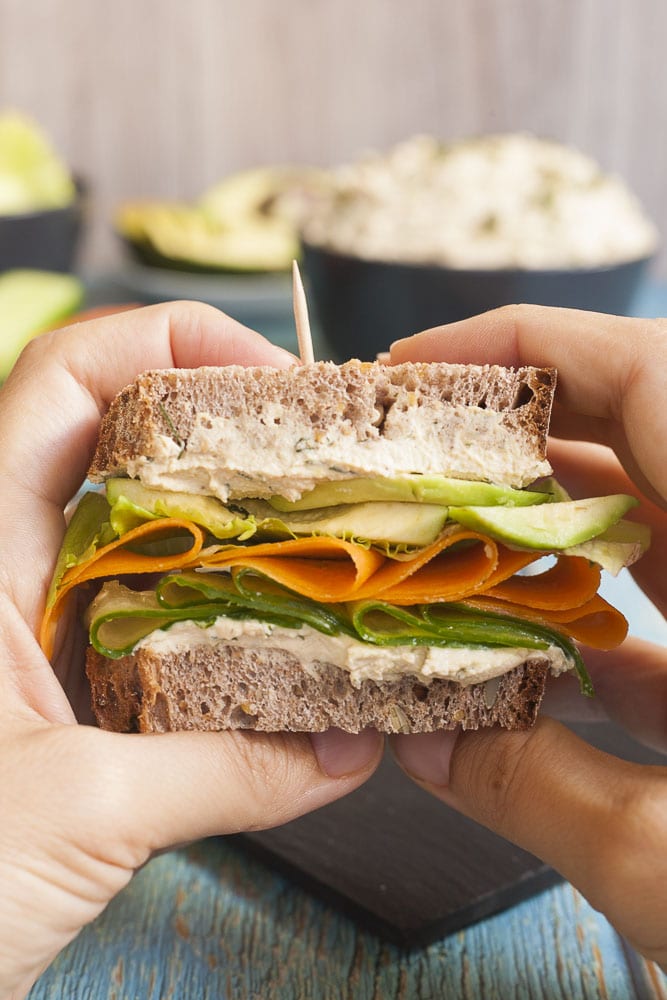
(64, 381)
(606, 436)
(599, 821)
(176, 787)
(563, 700)
(631, 684)
(630, 688)
(586, 469)
(50, 411)
(82, 810)
(28, 686)
(614, 368)
(591, 470)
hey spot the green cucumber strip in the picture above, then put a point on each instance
(119, 617)
(384, 624)
(249, 592)
(551, 635)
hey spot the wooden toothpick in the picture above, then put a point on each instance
(303, 334)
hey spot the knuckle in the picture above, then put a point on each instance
(518, 313)
(33, 353)
(270, 770)
(657, 328)
(497, 776)
(635, 827)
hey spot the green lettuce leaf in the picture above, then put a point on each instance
(88, 530)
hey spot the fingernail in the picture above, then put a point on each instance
(426, 757)
(339, 753)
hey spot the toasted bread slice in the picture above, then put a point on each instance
(238, 431)
(229, 687)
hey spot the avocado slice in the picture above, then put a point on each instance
(391, 524)
(411, 489)
(31, 302)
(283, 192)
(242, 195)
(551, 526)
(132, 503)
(381, 523)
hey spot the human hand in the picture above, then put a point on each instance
(82, 809)
(601, 822)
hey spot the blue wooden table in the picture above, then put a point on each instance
(211, 922)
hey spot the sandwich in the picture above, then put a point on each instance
(355, 545)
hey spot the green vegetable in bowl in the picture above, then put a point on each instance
(32, 175)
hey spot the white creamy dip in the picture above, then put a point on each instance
(499, 201)
(218, 461)
(361, 660)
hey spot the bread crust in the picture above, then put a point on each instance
(268, 690)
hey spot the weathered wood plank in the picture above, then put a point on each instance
(210, 922)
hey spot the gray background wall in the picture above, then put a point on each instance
(162, 97)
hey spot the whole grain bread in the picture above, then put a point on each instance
(228, 687)
(373, 404)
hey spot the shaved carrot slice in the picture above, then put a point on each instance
(570, 582)
(398, 581)
(115, 560)
(333, 570)
(596, 623)
(451, 576)
(325, 569)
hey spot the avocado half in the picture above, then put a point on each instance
(248, 223)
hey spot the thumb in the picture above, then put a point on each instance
(598, 820)
(176, 787)
(83, 809)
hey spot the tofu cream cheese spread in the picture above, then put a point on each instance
(218, 461)
(361, 660)
(491, 202)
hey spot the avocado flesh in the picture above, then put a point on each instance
(255, 192)
(382, 523)
(410, 489)
(552, 526)
(31, 302)
(132, 503)
(261, 246)
(32, 175)
(392, 524)
(592, 528)
(240, 195)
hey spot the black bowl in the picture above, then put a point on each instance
(363, 305)
(47, 240)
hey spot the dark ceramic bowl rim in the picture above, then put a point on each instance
(79, 194)
(480, 272)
